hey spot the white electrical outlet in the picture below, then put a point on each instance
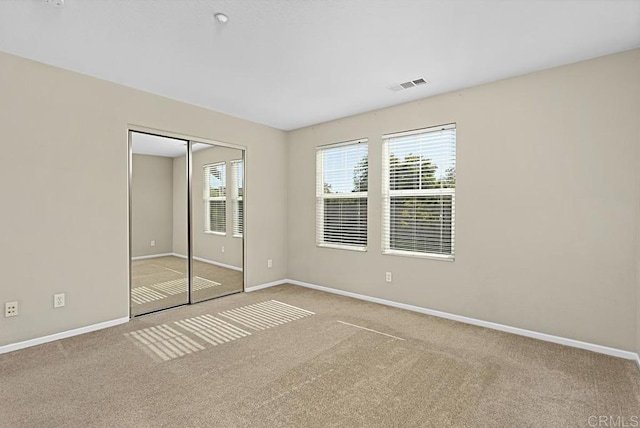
(222, 249)
(58, 300)
(153, 243)
(388, 277)
(10, 309)
(269, 263)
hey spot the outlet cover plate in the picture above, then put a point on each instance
(10, 309)
(58, 300)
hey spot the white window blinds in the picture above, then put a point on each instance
(214, 196)
(419, 180)
(342, 175)
(237, 196)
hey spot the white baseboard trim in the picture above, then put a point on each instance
(266, 285)
(63, 335)
(638, 360)
(211, 262)
(200, 259)
(152, 256)
(487, 324)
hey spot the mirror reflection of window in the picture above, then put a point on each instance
(215, 198)
(237, 194)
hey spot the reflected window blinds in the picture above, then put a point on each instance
(237, 196)
(215, 195)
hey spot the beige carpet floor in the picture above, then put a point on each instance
(289, 356)
(160, 283)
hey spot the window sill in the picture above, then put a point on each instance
(215, 233)
(343, 247)
(237, 236)
(430, 256)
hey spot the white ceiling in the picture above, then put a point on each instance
(292, 63)
(155, 145)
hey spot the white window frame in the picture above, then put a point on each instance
(207, 198)
(388, 194)
(236, 198)
(321, 197)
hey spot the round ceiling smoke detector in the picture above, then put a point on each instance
(221, 18)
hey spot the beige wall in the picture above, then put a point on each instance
(206, 245)
(151, 205)
(69, 132)
(547, 204)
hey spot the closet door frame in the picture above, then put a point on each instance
(190, 139)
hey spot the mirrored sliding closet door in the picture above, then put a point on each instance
(158, 217)
(186, 221)
(217, 218)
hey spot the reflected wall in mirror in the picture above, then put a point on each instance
(158, 274)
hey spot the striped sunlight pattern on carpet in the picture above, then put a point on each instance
(140, 295)
(180, 285)
(164, 342)
(261, 316)
(212, 330)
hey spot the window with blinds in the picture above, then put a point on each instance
(342, 175)
(237, 196)
(215, 197)
(419, 191)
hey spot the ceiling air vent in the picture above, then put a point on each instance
(407, 85)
